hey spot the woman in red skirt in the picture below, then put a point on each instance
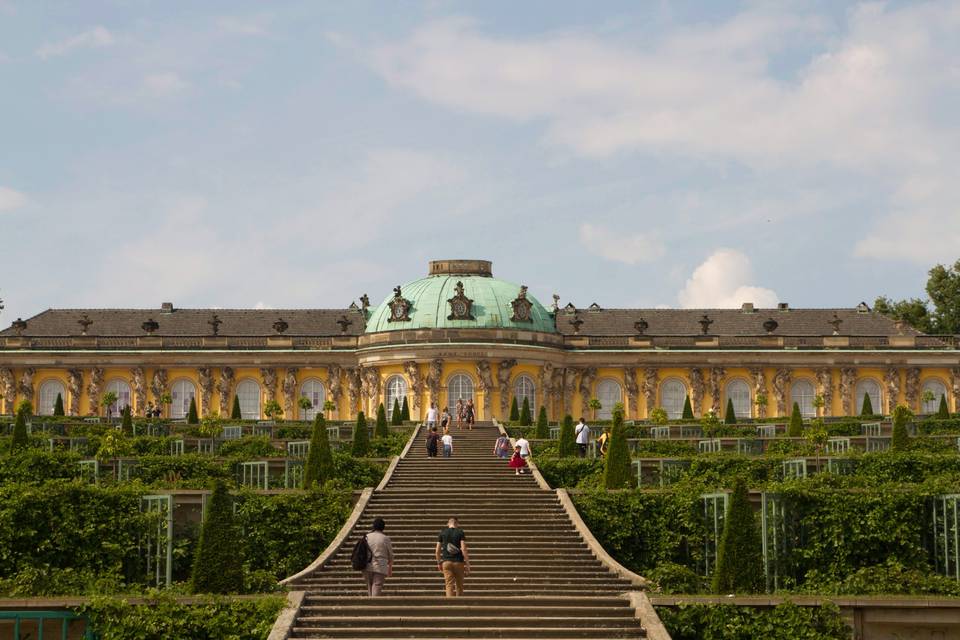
(517, 462)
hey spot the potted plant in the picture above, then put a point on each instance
(107, 401)
(761, 402)
(926, 398)
(595, 406)
(305, 405)
(329, 407)
(659, 416)
(818, 404)
(166, 400)
(272, 410)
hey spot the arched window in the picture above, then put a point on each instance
(248, 391)
(609, 393)
(49, 391)
(183, 392)
(870, 388)
(395, 392)
(938, 390)
(459, 387)
(673, 393)
(524, 389)
(122, 389)
(801, 392)
(739, 392)
(313, 391)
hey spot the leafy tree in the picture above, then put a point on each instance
(165, 399)
(127, 423)
(381, 430)
(913, 311)
(731, 417)
(319, 466)
(818, 403)
(795, 430)
(595, 406)
(235, 412)
(20, 438)
(361, 439)
(659, 416)
(687, 409)
(900, 439)
(943, 411)
(867, 408)
(568, 440)
(405, 410)
(514, 410)
(192, 417)
(543, 427)
(25, 407)
(943, 289)
(618, 471)
(272, 409)
(58, 406)
(217, 567)
(818, 437)
(395, 416)
(305, 404)
(107, 400)
(525, 418)
(739, 556)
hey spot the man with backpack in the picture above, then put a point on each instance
(583, 438)
(453, 559)
(373, 554)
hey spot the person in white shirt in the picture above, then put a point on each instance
(582, 432)
(432, 415)
(447, 441)
(524, 445)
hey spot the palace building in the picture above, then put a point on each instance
(460, 332)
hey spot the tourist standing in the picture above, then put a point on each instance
(603, 442)
(583, 437)
(445, 419)
(501, 448)
(453, 559)
(459, 410)
(524, 446)
(432, 415)
(447, 441)
(470, 413)
(433, 438)
(517, 462)
(380, 566)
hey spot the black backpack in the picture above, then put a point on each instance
(361, 555)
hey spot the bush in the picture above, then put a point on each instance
(235, 413)
(882, 579)
(568, 440)
(127, 422)
(526, 419)
(192, 417)
(571, 472)
(618, 472)
(676, 578)
(731, 417)
(58, 406)
(361, 438)
(319, 465)
(739, 556)
(381, 430)
(942, 411)
(543, 427)
(514, 410)
(20, 438)
(867, 408)
(795, 430)
(900, 439)
(687, 409)
(405, 410)
(396, 418)
(217, 567)
(786, 621)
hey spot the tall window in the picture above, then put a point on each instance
(938, 390)
(49, 391)
(248, 391)
(609, 393)
(183, 392)
(524, 389)
(122, 389)
(313, 391)
(867, 388)
(459, 387)
(396, 391)
(739, 392)
(673, 393)
(802, 393)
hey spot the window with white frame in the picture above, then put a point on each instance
(395, 392)
(248, 392)
(122, 389)
(609, 393)
(524, 389)
(673, 394)
(49, 391)
(938, 389)
(739, 392)
(459, 387)
(313, 391)
(870, 388)
(802, 393)
(182, 393)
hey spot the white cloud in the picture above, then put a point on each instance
(724, 280)
(97, 37)
(10, 199)
(243, 26)
(164, 84)
(620, 247)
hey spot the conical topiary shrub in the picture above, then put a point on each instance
(381, 430)
(867, 408)
(20, 438)
(687, 409)
(127, 421)
(795, 430)
(568, 439)
(740, 555)
(514, 410)
(395, 417)
(192, 417)
(361, 439)
(900, 439)
(319, 466)
(525, 418)
(405, 411)
(942, 411)
(58, 406)
(217, 567)
(618, 471)
(731, 417)
(543, 427)
(235, 413)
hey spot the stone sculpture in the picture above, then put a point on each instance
(912, 388)
(696, 389)
(93, 390)
(485, 384)
(716, 379)
(587, 378)
(26, 383)
(759, 389)
(225, 390)
(205, 377)
(352, 375)
(891, 380)
(569, 386)
(649, 388)
(333, 383)
(434, 380)
(412, 370)
(825, 389)
(503, 384)
(9, 389)
(269, 377)
(633, 391)
(75, 387)
(289, 387)
(139, 378)
(158, 384)
(848, 377)
(781, 384)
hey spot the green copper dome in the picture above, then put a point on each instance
(430, 307)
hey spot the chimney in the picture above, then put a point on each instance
(166, 307)
(746, 307)
(783, 306)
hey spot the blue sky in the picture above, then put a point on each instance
(291, 154)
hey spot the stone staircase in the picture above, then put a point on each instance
(534, 575)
